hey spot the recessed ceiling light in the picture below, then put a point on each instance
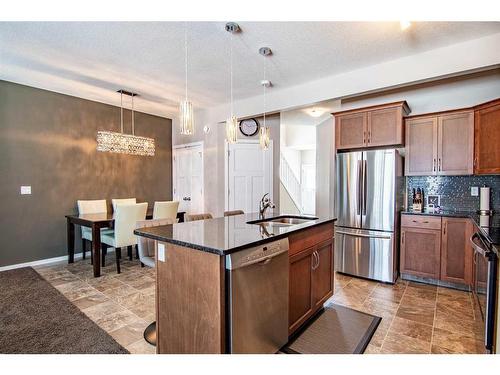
(316, 113)
(404, 25)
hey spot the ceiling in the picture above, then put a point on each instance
(94, 59)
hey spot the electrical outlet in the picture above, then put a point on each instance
(474, 191)
(161, 252)
(25, 190)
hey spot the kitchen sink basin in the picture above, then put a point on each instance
(283, 220)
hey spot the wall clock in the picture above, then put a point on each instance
(249, 127)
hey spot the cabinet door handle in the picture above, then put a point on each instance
(439, 164)
(444, 229)
(403, 239)
(364, 137)
(369, 136)
(434, 165)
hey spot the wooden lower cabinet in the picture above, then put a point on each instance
(420, 252)
(456, 253)
(311, 282)
(439, 253)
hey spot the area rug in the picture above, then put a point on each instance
(36, 318)
(336, 330)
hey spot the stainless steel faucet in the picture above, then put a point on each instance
(265, 203)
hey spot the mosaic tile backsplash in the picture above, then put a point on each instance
(455, 190)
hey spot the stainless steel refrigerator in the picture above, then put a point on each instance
(369, 195)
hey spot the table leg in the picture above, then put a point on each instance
(71, 240)
(96, 249)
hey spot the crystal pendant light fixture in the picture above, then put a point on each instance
(186, 107)
(265, 133)
(232, 121)
(122, 143)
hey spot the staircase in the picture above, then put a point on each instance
(290, 182)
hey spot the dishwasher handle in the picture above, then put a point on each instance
(258, 255)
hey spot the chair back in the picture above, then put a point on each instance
(97, 206)
(126, 218)
(166, 210)
(194, 217)
(233, 213)
(146, 246)
(117, 202)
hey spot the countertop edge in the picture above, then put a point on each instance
(220, 252)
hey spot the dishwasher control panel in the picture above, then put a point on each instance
(256, 254)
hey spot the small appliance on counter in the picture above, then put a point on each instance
(417, 200)
(484, 202)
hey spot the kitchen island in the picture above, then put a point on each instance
(192, 282)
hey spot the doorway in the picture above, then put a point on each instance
(249, 175)
(188, 176)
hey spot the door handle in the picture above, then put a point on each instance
(315, 260)
(434, 165)
(358, 193)
(186, 198)
(403, 239)
(444, 229)
(364, 187)
(439, 164)
(363, 235)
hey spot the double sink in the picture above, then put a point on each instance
(283, 221)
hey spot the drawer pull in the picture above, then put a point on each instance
(423, 222)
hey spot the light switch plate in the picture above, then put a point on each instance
(474, 191)
(25, 190)
(161, 252)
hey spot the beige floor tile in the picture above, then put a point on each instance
(411, 329)
(372, 349)
(456, 342)
(424, 315)
(90, 300)
(117, 320)
(141, 347)
(130, 333)
(401, 344)
(380, 307)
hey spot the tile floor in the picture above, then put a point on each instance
(416, 318)
(123, 305)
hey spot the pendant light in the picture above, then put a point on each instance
(265, 133)
(186, 107)
(232, 121)
(122, 143)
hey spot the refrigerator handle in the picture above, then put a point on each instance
(364, 188)
(359, 188)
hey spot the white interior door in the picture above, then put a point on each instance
(188, 177)
(249, 175)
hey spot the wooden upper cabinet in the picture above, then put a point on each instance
(456, 143)
(375, 126)
(421, 146)
(487, 138)
(385, 127)
(350, 131)
(456, 253)
(440, 144)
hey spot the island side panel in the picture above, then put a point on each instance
(189, 301)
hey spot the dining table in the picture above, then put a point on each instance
(96, 222)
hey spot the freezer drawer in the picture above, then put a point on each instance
(367, 254)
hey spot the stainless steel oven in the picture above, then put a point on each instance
(484, 285)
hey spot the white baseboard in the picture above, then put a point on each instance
(42, 262)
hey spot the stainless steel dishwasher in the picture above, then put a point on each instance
(258, 298)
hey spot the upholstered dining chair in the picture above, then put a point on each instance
(146, 248)
(233, 213)
(97, 206)
(115, 202)
(166, 210)
(194, 217)
(126, 217)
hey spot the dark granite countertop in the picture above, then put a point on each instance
(488, 225)
(226, 235)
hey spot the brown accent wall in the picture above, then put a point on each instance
(48, 141)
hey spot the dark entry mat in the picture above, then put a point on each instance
(336, 330)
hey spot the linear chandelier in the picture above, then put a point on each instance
(123, 143)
